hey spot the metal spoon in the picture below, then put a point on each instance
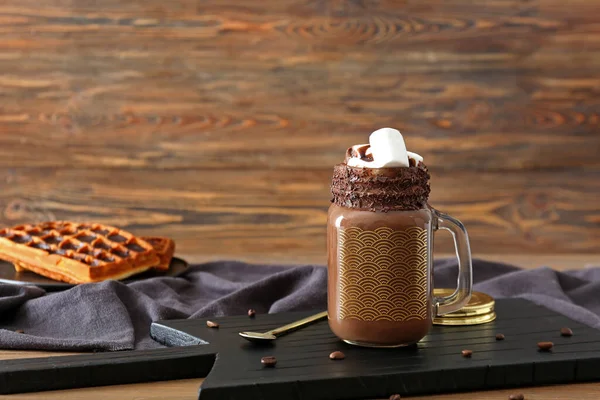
(274, 333)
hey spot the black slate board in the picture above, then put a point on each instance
(435, 365)
(9, 275)
(304, 370)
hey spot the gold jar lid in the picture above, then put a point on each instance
(479, 310)
(474, 320)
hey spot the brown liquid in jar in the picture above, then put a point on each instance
(367, 324)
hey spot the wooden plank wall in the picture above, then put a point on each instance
(217, 122)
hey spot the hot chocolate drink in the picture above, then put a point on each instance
(379, 234)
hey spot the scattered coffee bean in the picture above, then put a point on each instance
(518, 396)
(499, 336)
(545, 346)
(337, 355)
(251, 313)
(395, 397)
(268, 361)
(566, 332)
(211, 324)
(19, 331)
(467, 353)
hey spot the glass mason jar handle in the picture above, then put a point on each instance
(462, 294)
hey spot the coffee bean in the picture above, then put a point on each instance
(337, 355)
(467, 353)
(211, 324)
(251, 313)
(19, 331)
(499, 336)
(395, 397)
(545, 346)
(268, 361)
(566, 332)
(518, 396)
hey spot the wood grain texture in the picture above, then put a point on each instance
(217, 121)
(266, 212)
(187, 390)
(16, 354)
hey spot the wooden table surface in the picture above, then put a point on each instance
(218, 122)
(187, 389)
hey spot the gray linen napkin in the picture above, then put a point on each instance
(111, 316)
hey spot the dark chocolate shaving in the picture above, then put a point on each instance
(380, 189)
(359, 152)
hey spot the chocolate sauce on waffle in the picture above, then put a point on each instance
(123, 253)
(117, 238)
(134, 247)
(86, 238)
(41, 245)
(54, 239)
(21, 239)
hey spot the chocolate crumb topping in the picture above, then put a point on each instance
(380, 189)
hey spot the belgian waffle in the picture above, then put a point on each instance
(76, 252)
(165, 248)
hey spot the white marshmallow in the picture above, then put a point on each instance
(388, 148)
(414, 156)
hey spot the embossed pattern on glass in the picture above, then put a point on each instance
(383, 274)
